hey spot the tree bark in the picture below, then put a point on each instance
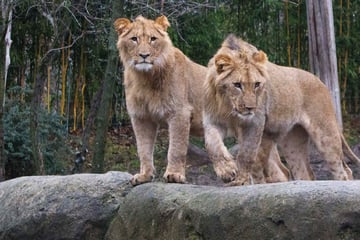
(102, 118)
(322, 49)
(5, 44)
(38, 164)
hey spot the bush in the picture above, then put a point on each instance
(16, 120)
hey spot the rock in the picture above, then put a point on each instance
(72, 207)
(199, 169)
(291, 210)
(105, 206)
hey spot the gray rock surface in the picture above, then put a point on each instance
(105, 206)
(60, 207)
(293, 210)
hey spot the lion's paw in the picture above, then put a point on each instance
(241, 181)
(226, 170)
(139, 178)
(171, 177)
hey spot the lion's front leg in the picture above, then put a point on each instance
(223, 162)
(251, 169)
(179, 129)
(145, 133)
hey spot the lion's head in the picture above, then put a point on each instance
(236, 78)
(143, 42)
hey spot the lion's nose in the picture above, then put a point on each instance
(249, 108)
(144, 56)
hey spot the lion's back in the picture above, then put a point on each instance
(299, 91)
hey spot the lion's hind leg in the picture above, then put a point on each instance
(327, 139)
(275, 170)
(294, 148)
(270, 169)
(348, 171)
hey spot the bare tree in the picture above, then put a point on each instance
(5, 30)
(7, 12)
(322, 49)
(172, 9)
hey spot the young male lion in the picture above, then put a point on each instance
(164, 87)
(265, 105)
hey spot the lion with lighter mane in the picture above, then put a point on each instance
(162, 87)
(267, 106)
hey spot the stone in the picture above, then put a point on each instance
(291, 210)
(106, 206)
(78, 206)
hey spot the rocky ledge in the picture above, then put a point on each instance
(105, 206)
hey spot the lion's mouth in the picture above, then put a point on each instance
(242, 114)
(143, 66)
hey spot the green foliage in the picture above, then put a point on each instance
(17, 145)
(121, 157)
(195, 39)
(348, 52)
(18, 151)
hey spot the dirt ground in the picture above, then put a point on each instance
(120, 155)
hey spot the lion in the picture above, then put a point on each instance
(265, 106)
(164, 88)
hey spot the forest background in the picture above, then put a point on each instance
(63, 108)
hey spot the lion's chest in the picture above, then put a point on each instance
(148, 102)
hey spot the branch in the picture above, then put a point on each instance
(65, 47)
(172, 9)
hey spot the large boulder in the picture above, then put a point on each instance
(60, 207)
(106, 206)
(292, 210)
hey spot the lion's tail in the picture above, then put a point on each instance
(348, 152)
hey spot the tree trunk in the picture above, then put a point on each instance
(288, 32)
(2, 155)
(102, 118)
(5, 44)
(2, 152)
(322, 48)
(38, 164)
(65, 55)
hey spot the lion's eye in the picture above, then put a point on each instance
(257, 84)
(134, 39)
(237, 85)
(152, 39)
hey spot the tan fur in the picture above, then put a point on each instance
(163, 88)
(265, 105)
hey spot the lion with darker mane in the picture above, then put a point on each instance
(265, 106)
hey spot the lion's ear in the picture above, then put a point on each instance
(260, 57)
(121, 25)
(223, 63)
(163, 22)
